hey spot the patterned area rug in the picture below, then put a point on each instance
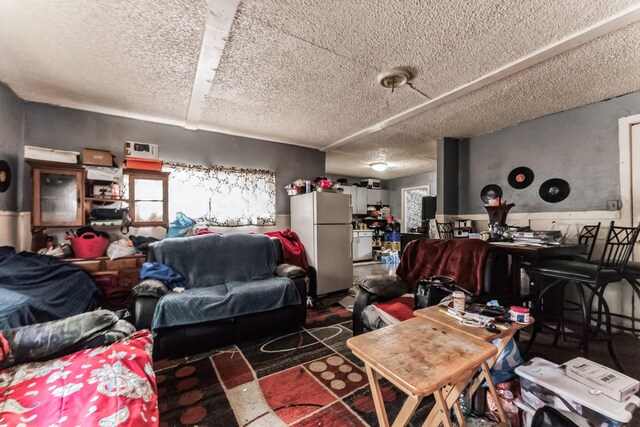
(306, 378)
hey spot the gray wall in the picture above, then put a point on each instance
(395, 186)
(69, 129)
(579, 146)
(11, 143)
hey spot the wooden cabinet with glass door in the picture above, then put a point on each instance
(59, 199)
(147, 193)
(58, 194)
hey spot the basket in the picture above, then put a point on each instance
(89, 245)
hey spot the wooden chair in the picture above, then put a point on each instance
(445, 229)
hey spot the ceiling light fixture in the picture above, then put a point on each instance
(394, 78)
(379, 166)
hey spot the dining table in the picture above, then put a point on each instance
(521, 253)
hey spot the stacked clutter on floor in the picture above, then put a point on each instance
(589, 396)
(391, 242)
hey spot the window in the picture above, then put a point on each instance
(221, 196)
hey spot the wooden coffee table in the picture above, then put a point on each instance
(422, 357)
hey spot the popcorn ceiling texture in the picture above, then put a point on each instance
(304, 71)
(136, 56)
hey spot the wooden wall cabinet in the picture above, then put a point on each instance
(57, 195)
(148, 194)
(59, 199)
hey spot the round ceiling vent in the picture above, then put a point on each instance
(394, 78)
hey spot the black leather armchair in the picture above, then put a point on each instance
(180, 340)
(384, 288)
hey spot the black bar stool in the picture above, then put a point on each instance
(589, 280)
(631, 276)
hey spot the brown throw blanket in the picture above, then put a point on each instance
(462, 259)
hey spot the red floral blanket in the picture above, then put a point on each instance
(104, 386)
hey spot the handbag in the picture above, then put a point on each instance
(433, 290)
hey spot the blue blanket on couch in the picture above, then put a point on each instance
(37, 288)
(226, 276)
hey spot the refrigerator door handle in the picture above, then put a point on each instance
(350, 231)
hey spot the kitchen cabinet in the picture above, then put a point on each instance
(358, 199)
(373, 197)
(351, 191)
(362, 245)
(360, 207)
(385, 197)
(377, 197)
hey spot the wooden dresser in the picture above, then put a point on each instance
(125, 270)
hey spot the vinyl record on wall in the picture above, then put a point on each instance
(490, 192)
(520, 177)
(5, 176)
(554, 190)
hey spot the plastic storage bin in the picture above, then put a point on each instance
(528, 412)
(545, 383)
(89, 245)
(391, 236)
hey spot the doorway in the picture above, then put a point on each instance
(629, 145)
(412, 206)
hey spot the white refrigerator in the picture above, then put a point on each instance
(322, 220)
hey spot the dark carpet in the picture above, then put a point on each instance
(306, 378)
(310, 378)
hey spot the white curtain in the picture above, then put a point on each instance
(220, 196)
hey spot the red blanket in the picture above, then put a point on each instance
(462, 259)
(401, 308)
(292, 248)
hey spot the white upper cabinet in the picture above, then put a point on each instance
(385, 197)
(373, 196)
(360, 206)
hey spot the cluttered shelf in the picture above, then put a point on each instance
(106, 199)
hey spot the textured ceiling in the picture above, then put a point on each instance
(303, 72)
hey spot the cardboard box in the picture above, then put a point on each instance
(611, 383)
(394, 246)
(51, 155)
(141, 150)
(144, 164)
(91, 156)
